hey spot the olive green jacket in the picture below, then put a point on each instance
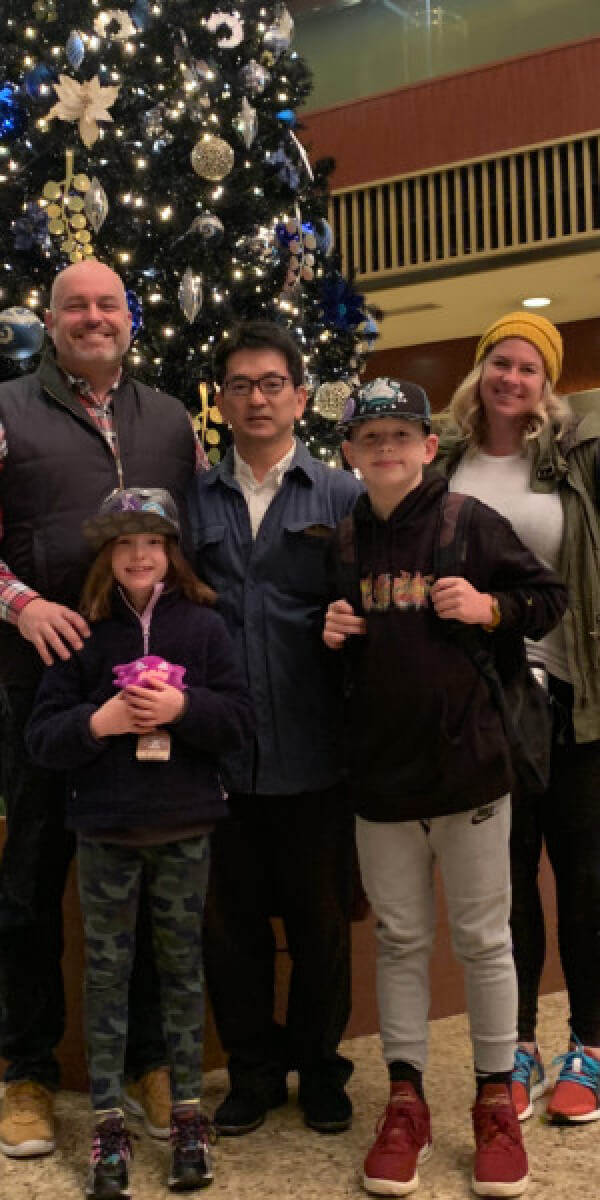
(568, 464)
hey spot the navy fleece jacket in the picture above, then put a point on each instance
(110, 788)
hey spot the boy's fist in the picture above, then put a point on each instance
(340, 622)
(455, 599)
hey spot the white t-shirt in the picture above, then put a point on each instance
(502, 482)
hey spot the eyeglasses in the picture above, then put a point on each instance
(268, 385)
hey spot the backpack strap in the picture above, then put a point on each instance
(450, 554)
(452, 541)
(347, 579)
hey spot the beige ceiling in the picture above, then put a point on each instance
(465, 305)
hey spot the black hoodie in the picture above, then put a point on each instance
(425, 737)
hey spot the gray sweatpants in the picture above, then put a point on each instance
(396, 862)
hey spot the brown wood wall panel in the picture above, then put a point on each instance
(520, 101)
(440, 366)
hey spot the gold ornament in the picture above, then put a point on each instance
(214, 456)
(330, 399)
(45, 10)
(212, 158)
(65, 215)
(86, 103)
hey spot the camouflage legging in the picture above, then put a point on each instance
(109, 886)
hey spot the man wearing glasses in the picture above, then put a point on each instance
(262, 521)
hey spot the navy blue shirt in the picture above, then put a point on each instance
(273, 592)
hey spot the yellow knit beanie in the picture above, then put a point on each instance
(537, 330)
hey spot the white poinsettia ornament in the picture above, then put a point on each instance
(86, 103)
(115, 23)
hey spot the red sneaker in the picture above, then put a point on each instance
(528, 1083)
(500, 1158)
(403, 1141)
(576, 1096)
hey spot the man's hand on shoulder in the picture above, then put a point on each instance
(340, 623)
(53, 629)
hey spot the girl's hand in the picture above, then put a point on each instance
(114, 717)
(341, 622)
(157, 703)
(455, 599)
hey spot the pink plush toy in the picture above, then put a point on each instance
(135, 673)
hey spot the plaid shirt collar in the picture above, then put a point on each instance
(84, 388)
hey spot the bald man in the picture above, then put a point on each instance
(69, 434)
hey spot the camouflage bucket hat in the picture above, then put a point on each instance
(133, 510)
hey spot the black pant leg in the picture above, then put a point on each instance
(316, 887)
(526, 917)
(239, 946)
(33, 871)
(573, 842)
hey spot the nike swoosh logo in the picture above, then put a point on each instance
(482, 814)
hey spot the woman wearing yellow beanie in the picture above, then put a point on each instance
(509, 440)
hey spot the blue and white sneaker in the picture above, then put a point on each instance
(528, 1082)
(576, 1096)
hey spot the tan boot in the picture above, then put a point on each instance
(27, 1120)
(150, 1098)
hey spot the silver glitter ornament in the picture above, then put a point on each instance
(212, 158)
(254, 77)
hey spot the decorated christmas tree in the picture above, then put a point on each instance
(162, 138)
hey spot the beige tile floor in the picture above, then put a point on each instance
(284, 1160)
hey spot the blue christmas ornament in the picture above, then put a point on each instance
(137, 313)
(21, 333)
(40, 76)
(284, 235)
(75, 49)
(139, 14)
(286, 169)
(13, 116)
(287, 116)
(32, 228)
(343, 308)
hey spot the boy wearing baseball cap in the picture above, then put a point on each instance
(429, 766)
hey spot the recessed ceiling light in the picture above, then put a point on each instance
(536, 302)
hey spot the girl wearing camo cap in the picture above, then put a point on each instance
(138, 717)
